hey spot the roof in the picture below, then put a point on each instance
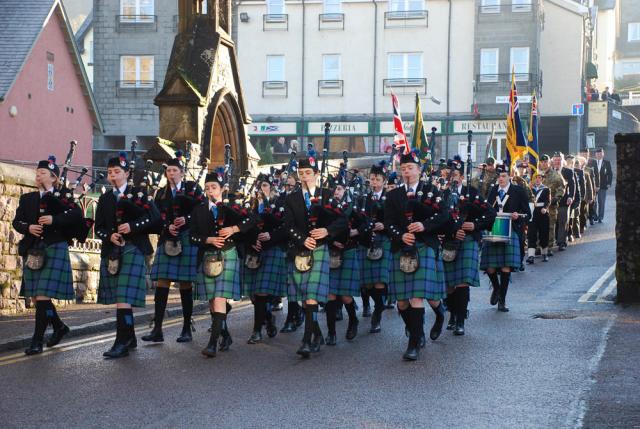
(87, 25)
(21, 23)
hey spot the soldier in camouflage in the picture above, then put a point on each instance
(487, 177)
(554, 181)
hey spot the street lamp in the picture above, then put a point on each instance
(434, 99)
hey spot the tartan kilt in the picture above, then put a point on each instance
(181, 268)
(314, 284)
(345, 280)
(498, 255)
(55, 279)
(270, 278)
(130, 285)
(226, 285)
(377, 271)
(427, 282)
(465, 268)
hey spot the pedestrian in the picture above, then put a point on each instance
(603, 179)
(588, 198)
(605, 94)
(46, 218)
(538, 231)
(590, 213)
(125, 216)
(576, 207)
(564, 206)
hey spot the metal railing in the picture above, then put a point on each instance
(275, 88)
(88, 205)
(504, 79)
(127, 23)
(275, 21)
(406, 18)
(515, 8)
(331, 21)
(405, 86)
(328, 87)
(135, 87)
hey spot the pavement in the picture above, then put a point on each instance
(565, 356)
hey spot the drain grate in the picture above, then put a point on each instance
(556, 316)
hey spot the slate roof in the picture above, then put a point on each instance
(87, 24)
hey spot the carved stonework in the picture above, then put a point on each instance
(223, 75)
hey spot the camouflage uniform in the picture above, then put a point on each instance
(490, 178)
(554, 181)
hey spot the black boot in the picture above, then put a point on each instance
(502, 302)
(366, 306)
(339, 314)
(293, 311)
(226, 341)
(120, 346)
(311, 315)
(259, 313)
(161, 296)
(186, 298)
(216, 329)
(414, 317)
(450, 300)
(272, 329)
(59, 328)
(462, 302)
(495, 291)
(255, 338)
(331, 311)
(352, 329)
(404, 314)
(40, 328)
(436, 329)
(378, 308)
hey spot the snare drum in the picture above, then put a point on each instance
(501, 231)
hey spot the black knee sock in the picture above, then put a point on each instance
(494, 280)
(217, 324)
(364, 294)
(121, 327)
(378, 303)
(311, 318)
(504, 283)
(351, 311)
(259, 312)
(41, 320)
(228, 307)
(405, 317)
(331, 309)
(268, 315)
(129, 323)
(52, 316)
(462, 301)
(451, 301)
(293, 310)
(415, 317)
(186, 298)
(161, 296)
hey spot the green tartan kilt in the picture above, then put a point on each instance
(499, 255)
(226, 285)
(129, 286)
(270, 278)
(427, 282)
(181, 268)
(377, 271)
(345, 280)
(55, 279)
(314, 284)
(465, 268)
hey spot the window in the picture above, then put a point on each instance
(405, 66)
(90, 60)
(520, 5)
(136, 72)
(406, 5)
(489, 65)
(275, 7)
(332, 6)
(631, 67)
(520, 63)
(137, 10)
(331, 67)
(275, 68)
(50, 71)
(634, 32)
(490, 6)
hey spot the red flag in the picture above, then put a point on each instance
(400, 138)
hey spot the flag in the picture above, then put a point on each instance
(419, 137)
(516, 141)
(400, 138)
(533, 136)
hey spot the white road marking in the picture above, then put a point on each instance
(608, 291)
(597, 285)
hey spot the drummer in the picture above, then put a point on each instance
(499, 259)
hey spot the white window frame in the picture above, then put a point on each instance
(635, 63)
(332, 7)
(490, 6)
(493, 76)
(405, 65)
(518, 6)
(139, 83)
(137, 16)
(326, 57)
(272, 4)
(406, 5)
(270, 77)
(521, 76)
(50, 76)
(633, 32)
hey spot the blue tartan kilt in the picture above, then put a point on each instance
(345, 280)
(377, 271)
(181, 268)
(129, 286)
(226, 285)
(499, 255)
(314, 284)
(465, 269)
(55, 279)
(427, 282)
(270, 278)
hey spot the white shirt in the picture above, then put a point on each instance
(312, 192)
(413, 186)
(44, 192)
(121, 189)
(377, 195)
(505, 189)
(177, 187)
(599, 164)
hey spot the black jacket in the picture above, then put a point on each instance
(141, 226)
(170, 207)
(604, 176)
(569, 187)
(581, 187)
(28, 212)
(471, 208)
(517, 202)
(427, 208)
(542, 200)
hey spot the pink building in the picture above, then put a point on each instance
(45, 96)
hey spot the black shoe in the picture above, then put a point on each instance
(331, 340)
(503, 307)
(352, 329)
(423, 341)
(305, 350)
(436, 329)
(599, 220)
(57, 335)
(225, 342)
(34, 349)
(591, 222)
(562, 247)
(154, 336)
(550, 253)
(212, 346)
(255, 338)
(288, 327)
(521, 266)
(530, 260)
(459, 329)
(277, 307)
(272, 330)
(495, 293)
(570, 239)
(117, 351)
(452, 322)
(366, 311)
(132, 343)
(545, 258)
(185, 336)
(375, 323)
(390, 304)
(318, 340)
(339, 316)
(411, 354)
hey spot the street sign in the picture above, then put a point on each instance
(577, 109)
